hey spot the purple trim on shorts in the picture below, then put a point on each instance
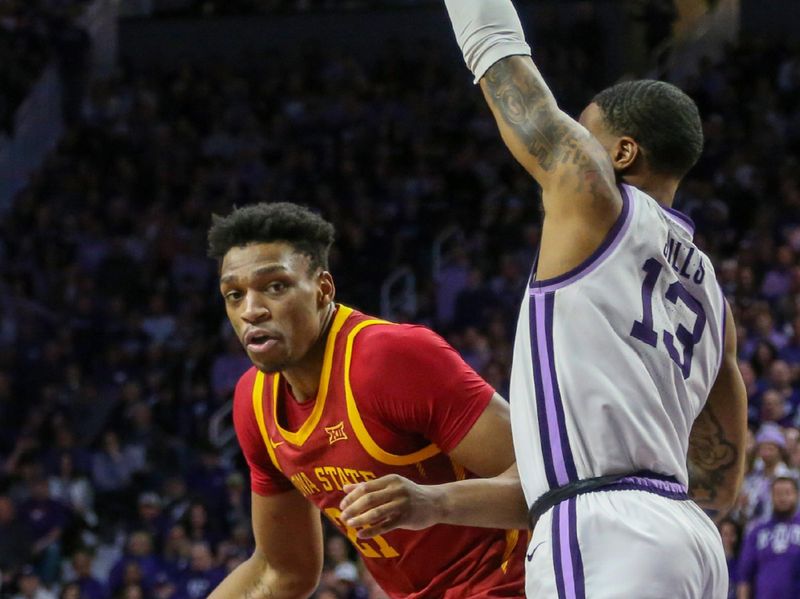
(567, 560)
(550, 410)
(680, 218)
(610, 243)
(541, 407)
(566, 552)
(575, 550)
(664, 486)
(557, 562)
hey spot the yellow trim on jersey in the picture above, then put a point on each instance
(458, 470)
(362, 434)
(302, 435)
(258, 408)
(512, 537)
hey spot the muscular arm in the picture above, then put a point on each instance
(495, 502)
(287, 561)
(487, 450)
(547, 142)
(579, 193)
(716, 445)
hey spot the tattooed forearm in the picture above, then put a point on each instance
(712, 458)
(522, 98)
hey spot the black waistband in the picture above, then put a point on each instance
(660, 484)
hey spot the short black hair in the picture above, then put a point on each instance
(306, 232)
(662, 119)
(788, 479)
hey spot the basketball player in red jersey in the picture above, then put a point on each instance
(337, 398)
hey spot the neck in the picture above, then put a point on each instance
(304, 378)
(783, 515)
(661, 189)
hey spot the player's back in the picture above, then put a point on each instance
(614, 360)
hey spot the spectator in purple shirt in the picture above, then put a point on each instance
(774, 408)
(778, 280)
(780, 379)
(139, 552)
(200, 526)
(90, 587)
(111, 475)
(15, 541)
(164, 587)
(202, 575)
(769, 567)
(176, 554)
(47, 519)
(790, 353)
(207, 480)
(754, 389)
(731, 534)
(151, 519)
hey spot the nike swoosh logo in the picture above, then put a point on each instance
(530, 555)
(275, 444)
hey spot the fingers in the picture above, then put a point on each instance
(380, 528)
(352, 492)
(354, 514)
(358, 490)
(378, 519)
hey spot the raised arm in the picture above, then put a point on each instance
(573, 169)
(287, 561)
(717, 442)
(579, 192)
(563, 157)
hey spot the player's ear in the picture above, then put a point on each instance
(625, 153)
(326, 290)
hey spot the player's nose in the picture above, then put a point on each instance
(255, 309)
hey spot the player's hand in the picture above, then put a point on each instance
(380, 505)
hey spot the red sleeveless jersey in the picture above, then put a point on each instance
(392, 399)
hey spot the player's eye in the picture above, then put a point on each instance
(232, 296)
(276, 287)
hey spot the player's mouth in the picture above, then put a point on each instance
(258, 341)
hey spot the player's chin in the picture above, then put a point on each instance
(268, 364)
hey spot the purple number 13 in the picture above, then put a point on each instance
(643, 329)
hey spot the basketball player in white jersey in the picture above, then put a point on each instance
(628, 409)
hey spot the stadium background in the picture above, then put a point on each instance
(119, 138)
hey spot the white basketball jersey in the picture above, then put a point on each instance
(614, 360)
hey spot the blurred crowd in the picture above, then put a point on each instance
(115, 355)
(213, 8)
(660, 12)
(32, 33)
